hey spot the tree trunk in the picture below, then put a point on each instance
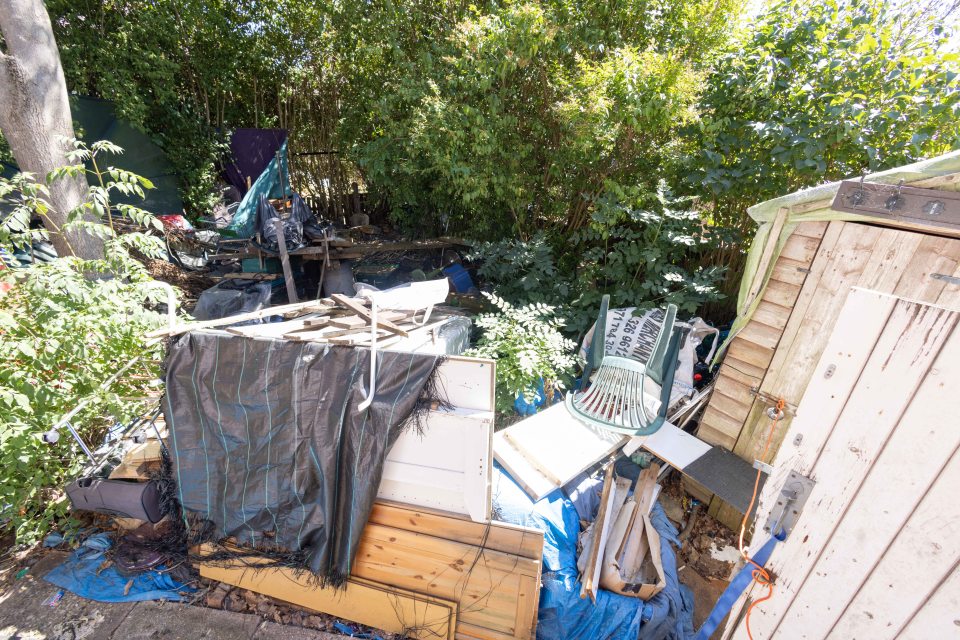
(35, 116)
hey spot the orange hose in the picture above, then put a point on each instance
(759, 573)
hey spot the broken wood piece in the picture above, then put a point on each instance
(595, 551)
(275, 329)
(363, 312)
(299, 308)
(525, 542)
(362, 601)
(285, 262)
(633, 548)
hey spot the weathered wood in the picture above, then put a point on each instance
(555, 448)
(842, 456)
(366, 602)
(525, 542)
(284, 309)
(285, 263)
(366, 314)
(590, 578)
(494, 590)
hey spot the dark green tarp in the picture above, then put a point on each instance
(96, 120)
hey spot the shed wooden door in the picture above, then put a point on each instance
(876, 549)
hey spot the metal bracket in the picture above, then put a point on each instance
(789, 506)
(763, 466)
(945, 278)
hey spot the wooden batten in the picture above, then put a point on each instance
(776, 351)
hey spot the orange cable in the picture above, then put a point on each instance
(760, 574)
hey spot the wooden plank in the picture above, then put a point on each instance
(772, 315)
(898, 364)
(672, 445)
(387, 608)
(811, 229)
(487, 585)
(717, 429)
(446, 467)
(365, 313)
(760, 334)
(860, 544)
(790, 271)
(633, 548)
(800, 248)
(756, 357)
(590, 576)
(274, 329)
(938, 617)
(781, 293)
(525, 542)
(299, 308)
(769, 247)
(921, 557)
(731, 362)
(560, 444)
(859, 326)
(933, 255)
(285, 262)
(732, 407)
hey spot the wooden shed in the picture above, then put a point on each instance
(850, 315)
(804, 261)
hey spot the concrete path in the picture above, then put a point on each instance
(23, 616)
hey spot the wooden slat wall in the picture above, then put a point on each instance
(876, 549)
(751, 351)
(800, 309)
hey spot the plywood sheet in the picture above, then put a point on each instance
(547, 450)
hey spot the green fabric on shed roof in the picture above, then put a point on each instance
(765, 213)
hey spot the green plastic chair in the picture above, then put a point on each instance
(615, 398)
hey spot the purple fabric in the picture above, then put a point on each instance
(251, 151)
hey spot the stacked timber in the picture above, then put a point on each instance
(420, 573)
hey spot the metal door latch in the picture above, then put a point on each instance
(789, 506)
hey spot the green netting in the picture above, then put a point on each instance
(766, 212)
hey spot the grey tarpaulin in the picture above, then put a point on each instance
(268, 446)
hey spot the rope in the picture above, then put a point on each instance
(760, 575)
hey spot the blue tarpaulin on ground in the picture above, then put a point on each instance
(78, 574)
(563, 614)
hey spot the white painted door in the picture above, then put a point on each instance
(875, 551)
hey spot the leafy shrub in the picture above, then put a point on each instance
(641, 257)
(66, 327)
(529, 348)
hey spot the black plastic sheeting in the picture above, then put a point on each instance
(268, 446)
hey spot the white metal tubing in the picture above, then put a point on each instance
(363, 406)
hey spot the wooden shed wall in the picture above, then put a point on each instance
(876, 549)
(778, 348)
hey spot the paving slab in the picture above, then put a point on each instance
(24, 616)
(274, 631)
(171, 621)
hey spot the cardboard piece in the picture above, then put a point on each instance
(649, 579)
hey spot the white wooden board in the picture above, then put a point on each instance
(447, 468)
(879, 535)
(549, 449)
(672, 445)
(468, 382)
